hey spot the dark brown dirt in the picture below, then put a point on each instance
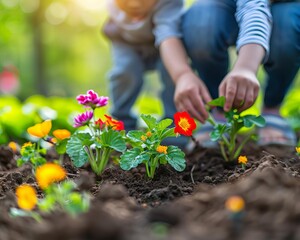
(172, 206)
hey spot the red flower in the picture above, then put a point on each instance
(184, 123)
(100, 124)
(114, 124)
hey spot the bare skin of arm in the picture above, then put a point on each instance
(240, 86)
(191, 93)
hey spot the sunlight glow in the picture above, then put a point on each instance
(92, 5)
(29, 6)
(56, 13)
(10, 3)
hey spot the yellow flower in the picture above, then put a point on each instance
(148, 134)
(235, 204)
(28, 144)
(48, 174)
(14, 146)
(24, 146)
(298, 150)
(242, 160)
(143, 138)
(40, 130)
(162, 149)
(26, 197)
(61, 134)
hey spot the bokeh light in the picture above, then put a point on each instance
(56, 13)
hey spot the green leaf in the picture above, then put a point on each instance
(135, 135)
(132, 158)
(250, 120)
(61, 146)
(163, 124)
(217, 132)
(149, 120)
(38, 161)
(175, 158)
(230, 115)
(114, 140)
(168, 133)
(218, 102)
(76, 203)
(47, 204)
(75, 148)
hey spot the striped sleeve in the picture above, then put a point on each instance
(254, 20)
(167, 19)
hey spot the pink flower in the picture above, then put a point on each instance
(83, 119)
(92, 100)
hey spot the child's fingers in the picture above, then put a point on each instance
(230, 93)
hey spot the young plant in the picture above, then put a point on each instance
(57, 196)
(103, 137)
(33, 152)
(147, 147)
(226, 134)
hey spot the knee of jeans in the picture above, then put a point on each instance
(127, 75)
(284, 48)
(204, 44)
(285, 37)
(202, 33)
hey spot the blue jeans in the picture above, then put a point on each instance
(126, 79)
(209, 29)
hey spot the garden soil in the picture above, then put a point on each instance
(174, 206)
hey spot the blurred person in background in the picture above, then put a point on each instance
(138, 31)
(9, 80)
(209, 28)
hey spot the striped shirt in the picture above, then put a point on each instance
(254, 20)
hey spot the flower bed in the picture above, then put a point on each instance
(186, 205)
(163, 194)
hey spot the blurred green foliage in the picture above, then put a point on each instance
(61, 39)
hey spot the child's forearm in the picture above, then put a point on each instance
(175, 58)
(250, 57)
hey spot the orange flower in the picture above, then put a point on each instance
(14, 146)
(148, 134)
(235, 204)
(242, 160)
(48, 174)
(184, 123)
(26, 197)
(114, 124)
(40, 130)
(162, 149)
(61, 134)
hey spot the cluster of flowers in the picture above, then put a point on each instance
(92, 100)
(45, 175)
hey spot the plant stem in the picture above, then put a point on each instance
(153, 166)
(147, 169)
(239, 149)
(104, 160)
(223, 152)
(91, 158)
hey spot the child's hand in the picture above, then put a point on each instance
(240, 88)
(191, 95)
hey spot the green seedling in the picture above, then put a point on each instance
(226, 134)
(147, 147)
